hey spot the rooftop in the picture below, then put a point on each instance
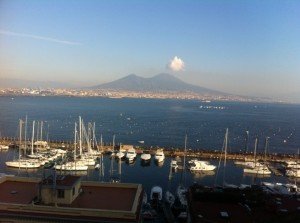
(95, 201)
(219, 212)
(18, 192)
(106, 197)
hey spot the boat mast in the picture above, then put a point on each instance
(101, 143)
(111, 163)
(114, 136)
(247, 141)
(94, 135)
(266, 148)
(32, 137)
(120, 167)
(42, 130)
(89, 137)
(255, 148)
(20, 138)
(80, 135)
(25, 135)
(225, 155)
(184, 154)
(75, 142)
(38, 129)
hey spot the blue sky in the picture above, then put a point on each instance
(241, 47)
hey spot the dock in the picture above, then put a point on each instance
(201, 153)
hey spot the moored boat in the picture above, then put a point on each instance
(159, 155)
(146, 156)
(131, 154)
(199, 165)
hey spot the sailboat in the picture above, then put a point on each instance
(73, 165)
(224, 149)
(23, 163)
(87, 158)
(32, 155)
(256, 168)
(180, 204)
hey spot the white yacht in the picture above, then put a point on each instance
(249, 164)
(146, 156)
(293, 173)
(292, 165)
(3, 147)
(159, 155)
(264, 170)
(120, 154)
(131, 154)
(24, 164)
(72, 166)
(87, 160)
(199, 165)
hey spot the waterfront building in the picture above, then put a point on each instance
(68, 199)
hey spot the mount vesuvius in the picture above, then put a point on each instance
(160, 82)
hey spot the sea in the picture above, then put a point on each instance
(152, 123)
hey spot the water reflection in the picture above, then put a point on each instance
(149, 174)
(145, 163)
(159, 164)
(202, 174)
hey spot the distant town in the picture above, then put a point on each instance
(113, 93)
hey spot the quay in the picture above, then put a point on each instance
(172, 152)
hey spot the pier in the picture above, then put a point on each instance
(173, 152)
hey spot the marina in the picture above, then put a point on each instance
(167, 174)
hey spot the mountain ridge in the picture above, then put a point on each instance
(159, 82)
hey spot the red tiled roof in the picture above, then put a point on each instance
(18, 192)
(109, 198)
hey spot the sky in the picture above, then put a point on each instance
(240, 47)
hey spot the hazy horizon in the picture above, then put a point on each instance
(239, 47)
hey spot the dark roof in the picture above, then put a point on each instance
(107, 197)
(209, 205)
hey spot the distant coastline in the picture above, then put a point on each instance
(118, 94)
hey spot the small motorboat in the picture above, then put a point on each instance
(97, 166)
(174, 165)
(146, 156)
(156, 196)
(170, 198)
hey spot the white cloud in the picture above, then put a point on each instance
(9, 33)
(176, 64)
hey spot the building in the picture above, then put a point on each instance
(68, 199)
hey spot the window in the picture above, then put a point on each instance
(60, 193)
(73, 190)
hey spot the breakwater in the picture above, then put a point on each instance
(172, 152)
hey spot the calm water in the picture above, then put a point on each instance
(159, 122)
(152, 174)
